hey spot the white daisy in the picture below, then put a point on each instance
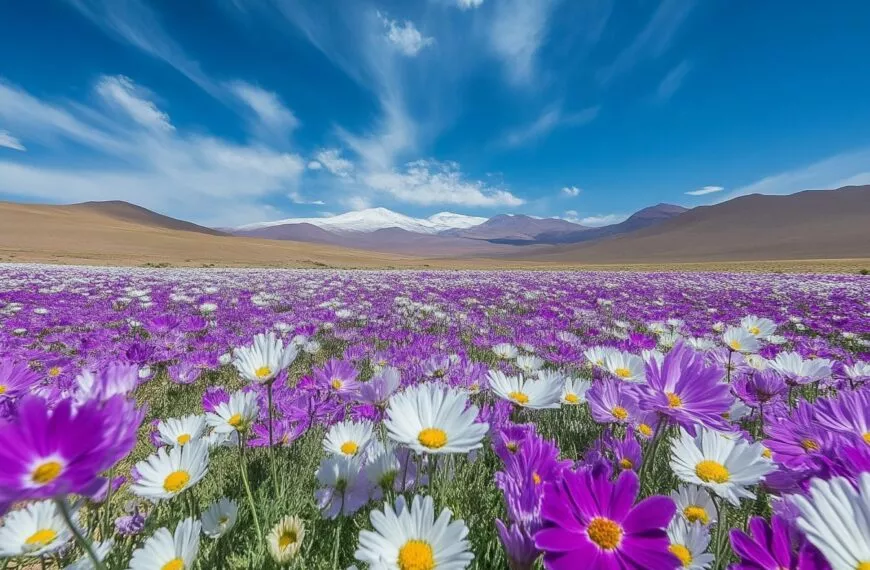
(343, 487)
(101, 549)
(694, 504)
(165, 551)
(740, 340)
(220, 517)
(836, 520)
(505, 351)
(529, 364)
(533, 394)
(235, 415)
(411, 538)
(166, 474)
(574, 391)
(180, 431)
(285, 539)
(349, 438)
(35, 530)
(757, 326)
(264, 359)
(793, 366)
(597, 355)
(689, 542)
(701, 344)
(431, 418)
(625, 366)
(725, 465)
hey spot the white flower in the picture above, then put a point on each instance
(431, 418)
(181, 431)
(220, 517)
(858, 371)
(836, 520)
(235, 415)
(101, 549)
(574, 391)
(264, 359)
(35, 530)
(689, 542)
(625, 366)
(529, 364)
(534, 394)
(165, 551)
(207, 308)
(701, 344)
(311, 347)
(164, 475)
(793, 366)
(739, 340)
(343, 487)
(597, 355)
(349, 438)
(758, 327)
(285, 539)
(694, 504)
(724, 464)
(411, 538)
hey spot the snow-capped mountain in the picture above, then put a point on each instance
(374, 219)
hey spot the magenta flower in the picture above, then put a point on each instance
(612, 401)
(769, 547)
(16, 378)
(592, 523)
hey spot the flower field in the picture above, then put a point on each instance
(257, 419)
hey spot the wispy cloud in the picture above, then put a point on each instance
(705, 190)
(517, 32)
(297, 198)
(549, 120)
(467, 4)
(570, 191)
(405, 36)
(653, 41)
(672, 82)
(332, 160)
(132, 100)
(846, 169)
(8, 141)
(602, 220)
(270, 117)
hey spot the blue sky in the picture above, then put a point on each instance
(234, 111)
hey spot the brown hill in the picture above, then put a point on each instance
(815, 224)
(118, 210)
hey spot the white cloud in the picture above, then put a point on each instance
(466, 4)
(357, 202)
(705, 190)
(405, 36)
(602, 220)
(122, 93)
(672, 82)
(8, 141)
(847, 169)
(141, 162)
(549, 120)
(429, 182)
(314, 165)
(297, 198)
(518, 29)
(571, 191)
(653, 41)
(332, 160)
(271, 114)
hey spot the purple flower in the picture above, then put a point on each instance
(760, 388)
(849, 413)
(612, 401)
(214, 396)
(130, 525)
(519, 546)
(379, 389)
(686, 390)
(592, 523)
(769, 547)
(795, 439)
(16, 378)
(511, 439)
(116, 378)
(338, 377)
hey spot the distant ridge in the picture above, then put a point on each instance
(125, 211)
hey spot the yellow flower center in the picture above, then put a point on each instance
(287, 538)
(46, 472)
(619, 413)
(416, 555)
(809, 445)
(519, 397)
(54, 371)
(513, 446)
(766, 453)
(223, 519)
(863, 565)
(626, 464)
(734, 344)
(696, 513)
(622, 372)
(645, 430)
(41, 537)
(235, 420)
(176, 481)
(674, 401)
(183, 438)
(710, 471)
(682, 553)
(263, 372)
(2, 389)
(349, 448)
(607, 534)
(571, 398)
(536, 478)
(174, 564)
(755, 331)
(433, 438)
(337, 384)
(866, 435)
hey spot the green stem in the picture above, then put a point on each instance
(63, 508)
(251, 504)
(721, 533)
(105, 528)
(272, 465)
(335, 548)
